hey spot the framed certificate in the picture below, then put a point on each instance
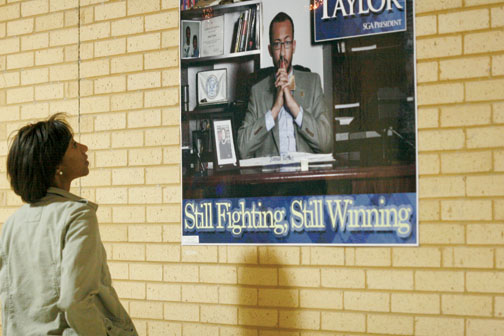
(212, 36)
(224, 144)
(212, 86)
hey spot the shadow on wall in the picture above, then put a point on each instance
(266, 300)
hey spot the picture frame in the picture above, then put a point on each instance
(224, 143)
(191, 29)
(212, 86)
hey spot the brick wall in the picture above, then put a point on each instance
(123, 103)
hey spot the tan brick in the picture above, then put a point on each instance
(144, 42)
(242, 254)
(17, 61)
(123, 251)
(415, 303)
(343, 321)
(321, 299)
(485, 137)
(165, 252)
(126, 101)
(279, 297)
(479, 327)
(428, 118)
(170, 78)
(145, 80)
(95, 104)
(36, 7)
(170, 38)
(9, 79)
(484, 42)
(148, 156)
(473, 257)
(144, 118)
(489, 185)
(327, 256)
(171, 154)
(232, 331)
(49, 22)
(237, 295)
(439, 281)
(35, 111)
(161, 21)
(469, 305)
(485, 282)
(126, 63)
(343, 278)
(484, 90)
(163, 292)
(497, 16)
(440, 93)
(427, 72)
(468, 20)
(63, 72)
(145, 233)
(146, 309)
(19, 95)
(448, 186)
(147, 272)
(63, 37)
(465, 115)
(219, 314)
(498, 65)
(469, 162)
(181, 312)
(57, 5)
(479, 2)
(35, 41)
(95, 31)
(49, 56)
(125, 139)
(106, 122)
(163, 214)
(199, 253)
(366, 301)
(158, 328)
(72, 17)
(425, 25)
(145, 195)
(390, 324)
(438, 326)
(109, 11)
(70, 106)
(390, 279)
(110, 47)
(161, 59)
(114, 233)
(10, 12)
(9, 113)
(162, 97)
(164, 175)
(130, 214)
(428, 164)
(416, 257)
(118, 270)
(436, 5)
(145, 6)
(446, 234)
(465, 68)
(441, 140)
(110, 84)
(485, 234)
(130, 290)
(499, 306)
(87, 50)
(128, 176)
(372, 257)
(299, 319)
(279, 255)
(128, 26)
(258, 317)
(257, 276)
(435, 47)
(112, 195)
(95, 68)
(180, 273)
(19, 27)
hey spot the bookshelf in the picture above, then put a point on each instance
(239, 63)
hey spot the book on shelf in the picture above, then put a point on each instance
(245, 37)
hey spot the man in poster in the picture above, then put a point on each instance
(188, 48)
(286, 111)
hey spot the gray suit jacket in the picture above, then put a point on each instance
(315, 134)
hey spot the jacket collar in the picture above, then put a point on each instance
(70, 196)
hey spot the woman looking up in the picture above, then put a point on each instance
(54, 278)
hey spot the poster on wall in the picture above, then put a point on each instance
(321, 117)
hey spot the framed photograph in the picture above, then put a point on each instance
(190, 39)
(224, 144)
(212, 86)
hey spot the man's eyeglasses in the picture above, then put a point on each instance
(277, 45)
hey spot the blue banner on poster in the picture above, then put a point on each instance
(338, 19)
(386, 219)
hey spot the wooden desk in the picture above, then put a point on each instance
(253, 182)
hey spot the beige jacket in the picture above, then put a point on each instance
(54, 278)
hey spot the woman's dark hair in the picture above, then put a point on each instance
(35, 153)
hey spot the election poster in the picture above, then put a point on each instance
(320, 123)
